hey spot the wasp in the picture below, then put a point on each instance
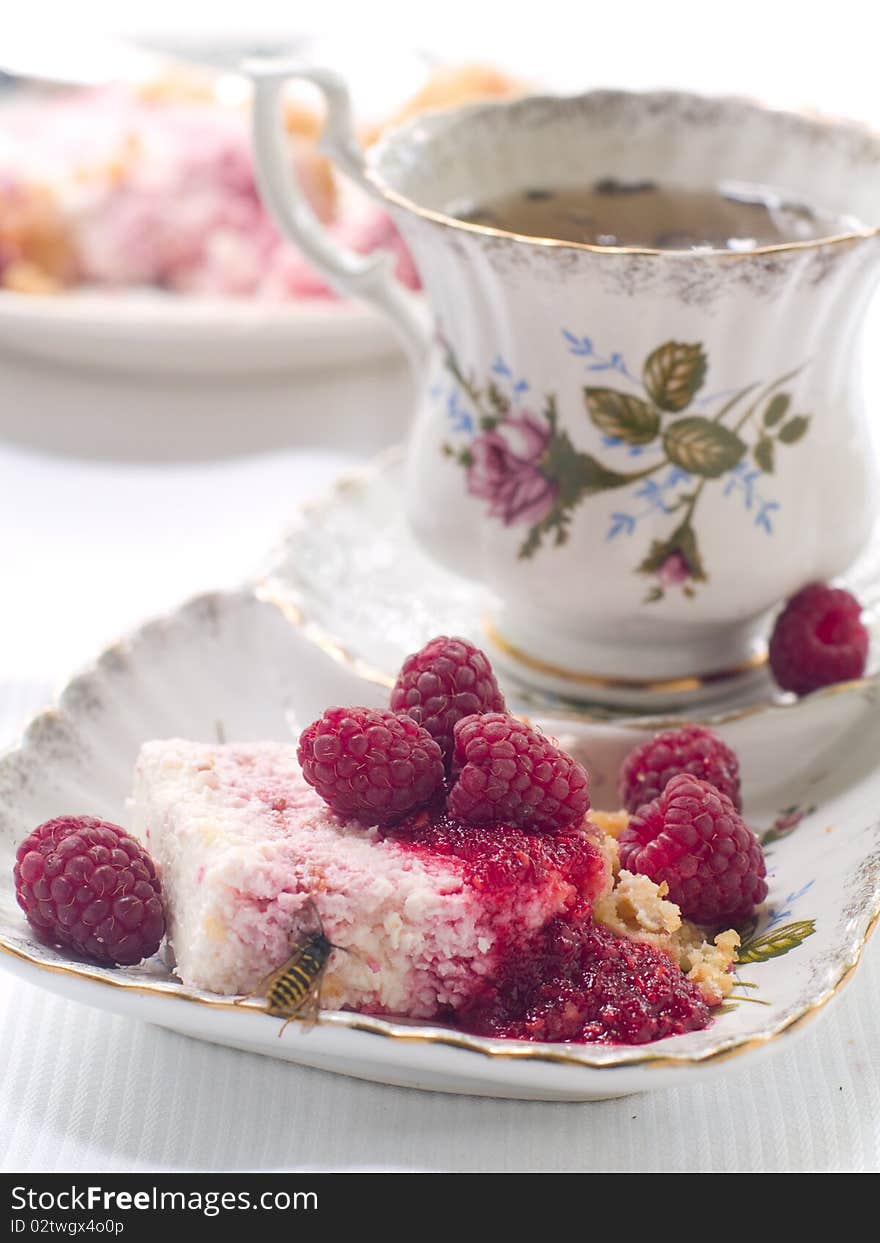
(295, 986)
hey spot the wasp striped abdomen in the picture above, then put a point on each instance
(291, 986)
(295, 986)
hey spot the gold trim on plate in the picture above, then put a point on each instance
(499, 1049)
(652, 686)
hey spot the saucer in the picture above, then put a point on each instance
(351, 577)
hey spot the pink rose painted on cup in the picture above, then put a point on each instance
(674, 571)
(674, 563)
(504, 469)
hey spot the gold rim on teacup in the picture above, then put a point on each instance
(471, 112)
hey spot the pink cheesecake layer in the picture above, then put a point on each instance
(429, 912)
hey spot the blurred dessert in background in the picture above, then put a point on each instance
(452, 86)
(37, 253)
(121, 187)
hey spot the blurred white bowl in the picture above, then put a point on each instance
(147, 330)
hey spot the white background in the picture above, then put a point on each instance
(110, 511)
(808, 52)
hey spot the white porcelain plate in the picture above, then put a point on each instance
(236, 665)
(161, 332)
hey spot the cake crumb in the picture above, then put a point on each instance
(610, 822)
(709, 965)
(636, 907)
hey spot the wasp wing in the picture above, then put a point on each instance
(309, 921)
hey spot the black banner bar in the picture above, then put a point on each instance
(131, 1207)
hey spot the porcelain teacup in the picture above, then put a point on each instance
(640, 452)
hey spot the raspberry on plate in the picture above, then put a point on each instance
(445, 681)
(692, 749)
(87, 884)
(372, 765)
(818, 639)
(504, 770)
(693, 838)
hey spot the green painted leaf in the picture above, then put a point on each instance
(619, 414)
(469, 386)
(702, 447)
(576, 474)
(792, 431)
(594, 477)
(530, 544)
(776, 943)
(763, 452)
(673, 373)
(579, 474)
(686, 539)
(497, 400)
(553, 525)
(786, 823)
(777, 408)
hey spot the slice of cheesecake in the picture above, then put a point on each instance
(430, 911)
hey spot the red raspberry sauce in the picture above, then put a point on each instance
(582, 984)
(571, 981)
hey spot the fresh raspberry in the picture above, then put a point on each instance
(88, 885)
(370, 765)
(693, 838)
(818, 639)
(446, 680)
(506, 771)
(693, 749)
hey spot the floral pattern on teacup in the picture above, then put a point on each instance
(505, 470)
(528, 470)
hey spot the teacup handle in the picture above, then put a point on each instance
(369, 277)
